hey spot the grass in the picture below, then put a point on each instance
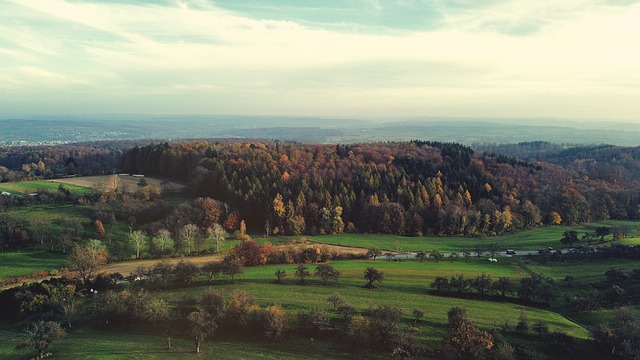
(96, 344)
(405, 286)
(523, 240)
(18, 263)
(48, 185)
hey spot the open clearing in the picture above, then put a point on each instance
(128, 182)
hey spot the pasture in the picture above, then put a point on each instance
(127, 183)
(28, 187)
(524, 240)
(405, 286)
(26, 262)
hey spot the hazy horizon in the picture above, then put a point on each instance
(360, 59)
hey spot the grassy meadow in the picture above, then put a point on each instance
(26, 187)
(524, 240)
(18, 263)
(405, 286)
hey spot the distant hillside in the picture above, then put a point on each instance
(56, 130)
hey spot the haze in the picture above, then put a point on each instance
(571, 59)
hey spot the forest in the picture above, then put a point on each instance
(374, 249)
(404, 188)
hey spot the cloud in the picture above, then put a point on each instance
(513, 58)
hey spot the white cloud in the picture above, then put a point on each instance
(514, 58)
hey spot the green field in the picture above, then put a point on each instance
(18, 263)
(34, 186)
(127, 344)
(405, 286)
(523, 240)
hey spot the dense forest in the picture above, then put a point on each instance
(405, 188)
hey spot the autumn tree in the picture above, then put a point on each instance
(86, 260)
(209, 211)
(99, 228)
(463, 339)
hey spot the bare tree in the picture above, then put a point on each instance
(87, 260)
(138, 239)
(219, 234)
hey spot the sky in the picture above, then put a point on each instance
(570, 59)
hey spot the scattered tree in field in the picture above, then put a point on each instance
(417, 315)
(541, 328)
(463, 339)
(97, 225)
(214, 304)
(66, 300)
(440, 283)
(302, 272)
(185, 271)
(527, 287)
(421, 255)
(232, 267)
(87, 260)
(275, 323)
(436, 255)
(186, 237)
(211, 269)
(482, 283)
(201, 326)
(335, 300)
(373, 275)
(40, 335)
(503, 286)
(218, 233)
(346, 311)
(569, 238)
(280, 274)
(374, 252)
(326, 272)
(138, 239)
(158, 312)
(163, 240)
(163, 270)
(382, 323)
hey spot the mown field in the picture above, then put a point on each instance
(27, 187)
(19, 263)
(524, 240)
(405, 286)
(128, 344)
